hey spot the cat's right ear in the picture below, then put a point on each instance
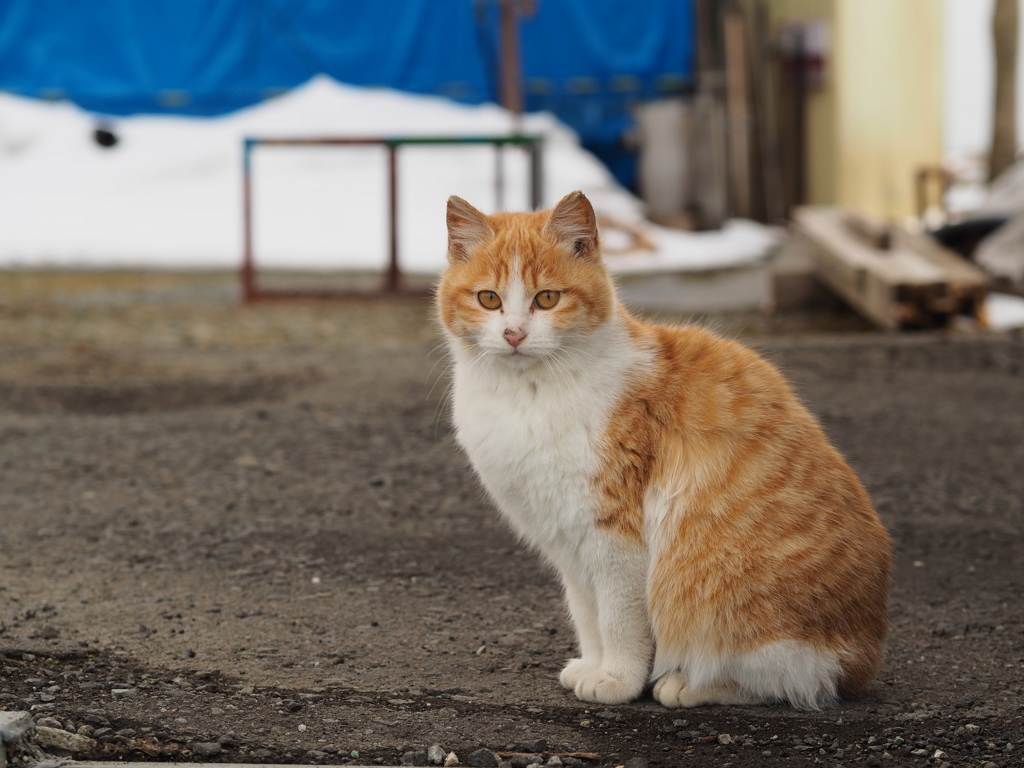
(467, 229)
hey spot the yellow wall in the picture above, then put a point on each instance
(888, 58)
(879, 118)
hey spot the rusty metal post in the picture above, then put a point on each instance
(393, 282)
(394, 276)
(511, 75)
(536, 176)
(248, 268)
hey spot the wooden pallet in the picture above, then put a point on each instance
(895, 279)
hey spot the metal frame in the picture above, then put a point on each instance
(251, 290)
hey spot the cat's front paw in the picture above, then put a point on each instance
(603, 687)
(573, 672)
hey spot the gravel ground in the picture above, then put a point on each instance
(243, 534)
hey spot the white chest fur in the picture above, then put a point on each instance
(533, 435)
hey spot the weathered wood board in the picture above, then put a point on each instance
(895, 279)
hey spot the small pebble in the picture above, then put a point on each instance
(451, 760)
(435, 755)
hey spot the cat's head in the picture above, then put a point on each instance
(523, 286)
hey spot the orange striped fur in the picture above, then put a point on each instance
(660, 467)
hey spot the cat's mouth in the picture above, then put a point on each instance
(519, 357)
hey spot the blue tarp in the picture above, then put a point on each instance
(585, 60)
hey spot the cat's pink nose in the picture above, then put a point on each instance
(514, 337)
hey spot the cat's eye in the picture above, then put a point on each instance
(546, 299)
(489, 300)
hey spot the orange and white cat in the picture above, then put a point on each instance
(709, 538)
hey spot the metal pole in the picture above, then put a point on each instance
(392, 282)
(511, 88)
(248, 268)
(394, 276)
(800, 117)
(536, 176)
(499, 176)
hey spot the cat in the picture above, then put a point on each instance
(709, 538)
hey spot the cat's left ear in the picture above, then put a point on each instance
(467, 229)
(574, 224)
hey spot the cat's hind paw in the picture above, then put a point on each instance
(573, 672)
(672, 690)
(603, 687)
(669, 689)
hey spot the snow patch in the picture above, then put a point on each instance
(1004, 311)
(169, 194)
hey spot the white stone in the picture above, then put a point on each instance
(62, 741)
(13, 726)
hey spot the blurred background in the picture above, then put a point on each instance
(741, 154)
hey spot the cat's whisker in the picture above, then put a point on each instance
(446, 398)
(440, 377)
(558, 360)
(442, 359)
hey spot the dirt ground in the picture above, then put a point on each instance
(243, 534)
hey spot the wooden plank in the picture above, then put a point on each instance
(957, 269)
(863, 276)
(967, 283)
(892, 278)
(737, 110)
